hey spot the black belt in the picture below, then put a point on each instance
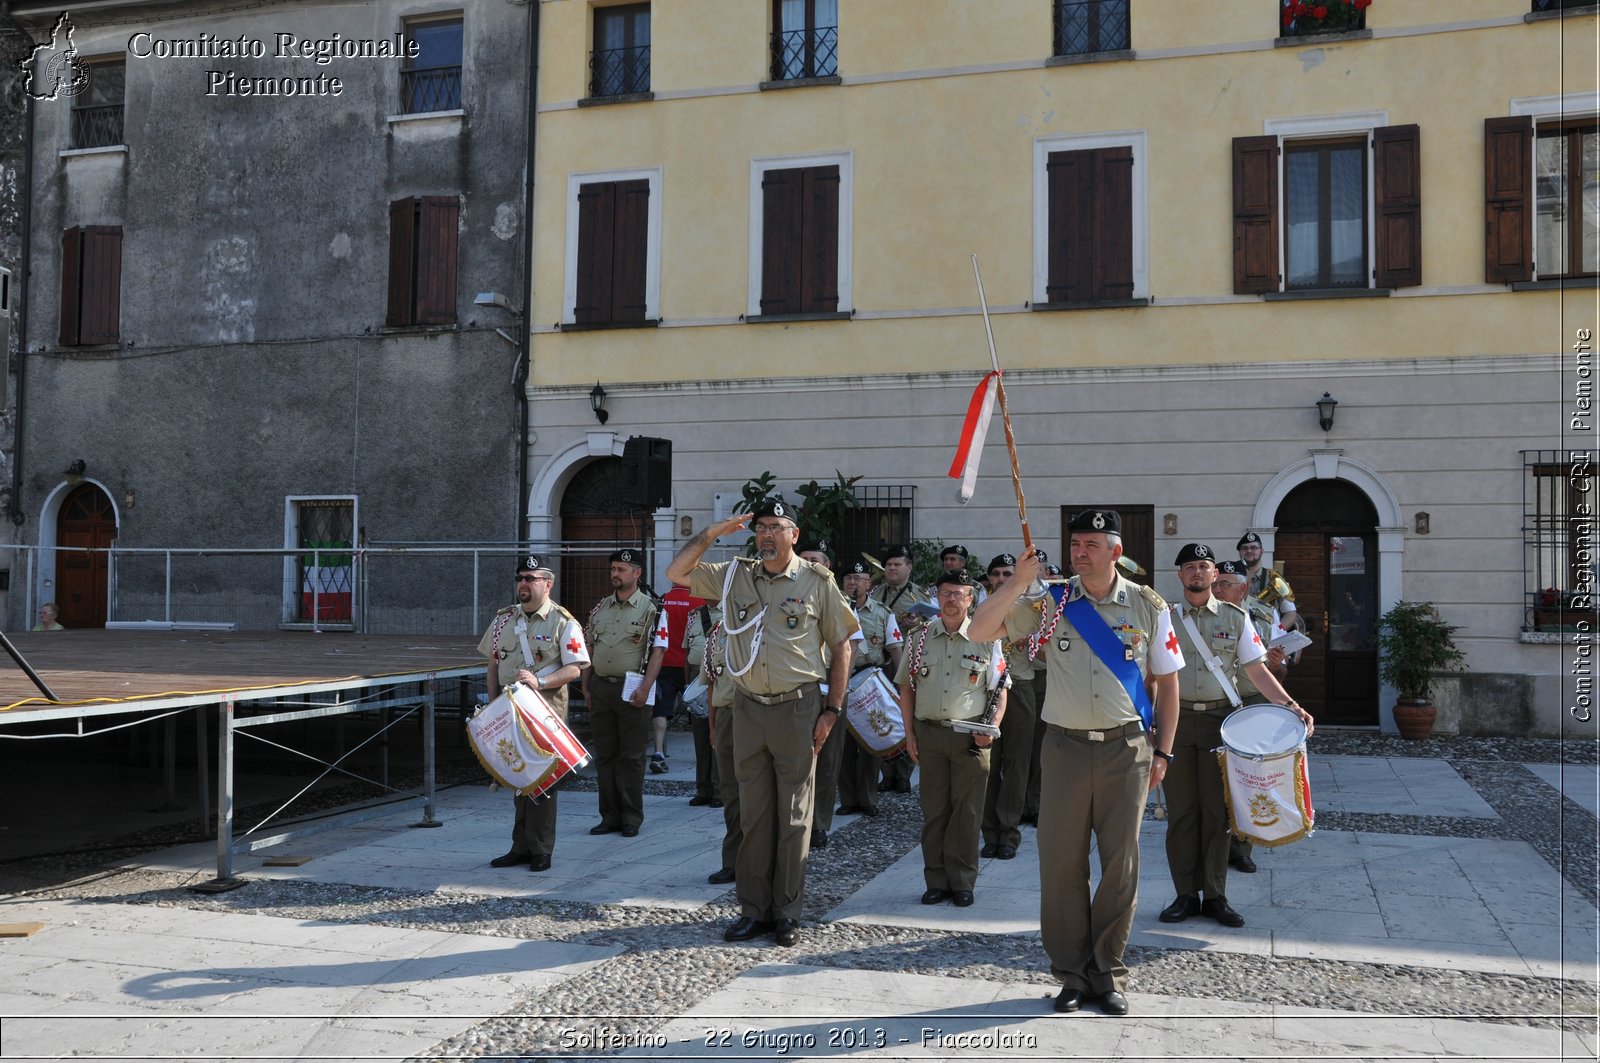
(610, 679)
(1132, 728)
(778, 699)
(1206, 706)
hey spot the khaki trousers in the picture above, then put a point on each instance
(773, 763)
(858, 773)
(727, 786)
(826, 787)
(1091, 792)
(1010, 768)
(620, 732)
(1030, 804)
(705, 758)
(953, 783)
(533, 833)
(1197, 813)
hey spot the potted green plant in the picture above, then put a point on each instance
(1414, 642)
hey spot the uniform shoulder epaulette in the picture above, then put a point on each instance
(506, 609)
(1149, 594)
(1259, 608)
(820, 569)
(563, 611)
(1235, 608)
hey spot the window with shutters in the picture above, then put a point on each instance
(805, 39)
(422, 260)
(91, 285)
(800, 237)
(1542, 191)
(431, 81)
(613, 249)
(1090, 221)
(620, 62)
(1327, 205)
(97, 110)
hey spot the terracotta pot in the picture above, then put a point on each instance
(1414, 719)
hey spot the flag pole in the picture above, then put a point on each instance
(1005, 415)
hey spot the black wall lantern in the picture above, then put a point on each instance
(1325, 407)
(597, 403)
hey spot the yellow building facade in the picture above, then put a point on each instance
(754, 226)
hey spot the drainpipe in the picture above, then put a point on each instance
(519, 378)
(25, 287)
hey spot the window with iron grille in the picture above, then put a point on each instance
(323, 532)
(1560, 506)
(881, 518)
(620, 62)
(1083, 27)
(1298, 18)
(422, 260)
(91, 285)
(805, 39)
(432, 80)
(97, 110)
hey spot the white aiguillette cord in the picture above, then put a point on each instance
(729, 629)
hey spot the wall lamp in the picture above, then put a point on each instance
(1325, 407)
(74, 472)
(597, 403)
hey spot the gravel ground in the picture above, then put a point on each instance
(671, 959)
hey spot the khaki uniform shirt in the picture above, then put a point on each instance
(619, 633)
(804, 612)
(715, 668)
(900, 600)
(951, 679)
(1229, 637)
(1265, 619)
(879, 631)
(694, 635)
(554, 635)
(1082, 693)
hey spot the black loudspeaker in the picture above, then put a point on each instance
(648, 466)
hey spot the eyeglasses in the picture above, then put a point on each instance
(531, 579)
(770, 529)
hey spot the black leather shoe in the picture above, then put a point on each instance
(885, 786)
(868, 810)
(1180, 909)
(989, 850)
(747, 928)
(1030, 818)
(819, 839)
(539, 863)
(1069, 999)
(847, 810)
(936, 896)
(697, 800)
(720, 876)
(902, 786)
(629, 830)
(604, 828)
(1006, 852)
(511, 859)
(1244, 864)
(715, 802)
(1113, 1003)
(1219, 909)
(786, 933)
(962, 898)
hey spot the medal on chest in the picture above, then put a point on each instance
(1063, 645)
(793, 622)
(924, 672)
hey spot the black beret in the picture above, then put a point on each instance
(530, 563)
(856, 568)
(1195, 552)
(958, 578)
(1044, 558)
(959, 551)
(1001, 561)
(897, 551)
(629, 557)
(1096, 520)
(1053, 570)
(1250, 538)
(774, 507)
(818, 545)
(1233, 568)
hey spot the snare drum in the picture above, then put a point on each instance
(872, 712)
(522, 742)
(1263, 759)
(695, 699)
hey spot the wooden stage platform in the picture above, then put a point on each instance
(97, 672)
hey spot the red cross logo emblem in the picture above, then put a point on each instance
(1172, 642)
(1255, 638)
(574, 646)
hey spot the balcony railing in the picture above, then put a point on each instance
(1087, 26)
(1297, 18)
(619, 71)
(807, 53)
(427, 89)
(97, 127)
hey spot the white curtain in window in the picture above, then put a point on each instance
(1551, 205)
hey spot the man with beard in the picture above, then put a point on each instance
(625, 635)
(539, 644)
(1268, 584)
(779, 613)
(1217, 639)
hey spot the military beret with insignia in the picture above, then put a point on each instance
(958, 578)
(1096, 520)
(531, 563)
(1195, 552)
(1250, 539)
(856, 568)
(1044, 558)
(774, 507)
(957, 551)
(819, 546)
(1052, 570)
(629, 557)
(1233, 568)
(897, 551)
(1001, 561)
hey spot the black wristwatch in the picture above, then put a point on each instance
(1164, 756)
(831, 708)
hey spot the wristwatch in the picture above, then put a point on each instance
(831, 708)
(1164, 756)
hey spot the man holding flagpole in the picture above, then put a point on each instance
(1101, 638)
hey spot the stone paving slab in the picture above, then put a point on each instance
(119, 980)
(776, 1011)
(1408, 787)
(1580, 782)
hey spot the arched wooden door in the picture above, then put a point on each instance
(595, 520)
(86, 520)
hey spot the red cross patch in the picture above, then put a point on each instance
(1172, 642)
(574, 646)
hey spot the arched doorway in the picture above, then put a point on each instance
(1327, 548)
(86, 520)
(595, 520)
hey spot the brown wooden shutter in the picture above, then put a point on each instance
(1397, 160)
(1112, 231)
(1508, 169)
(71, 284)
(596, 223)
(1255, 215)
(1070, 181)
(436, 260)
(402, 262)
(781, 228)
(819, 260)
(629, 250)
(102, 284)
